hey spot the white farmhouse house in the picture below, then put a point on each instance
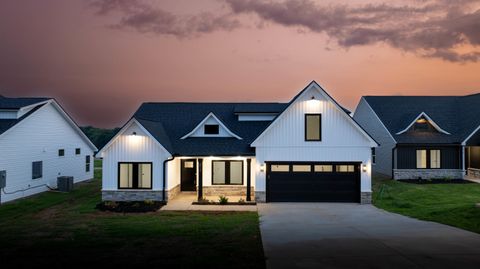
(309, 149)
(38, 143)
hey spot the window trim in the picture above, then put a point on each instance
(88, 163)
(428, 156)
(205, 129)
(62, 151)
(41, 170)
(305, 127)
(127, 188)
(227, 172)
(374, 156)
(78, 151)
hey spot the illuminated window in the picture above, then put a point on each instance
(280, 168)
(323, 168)
(301, 168)
(421, 158)
(435, 158)
(313, 127)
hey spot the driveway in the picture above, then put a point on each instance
(326, 235)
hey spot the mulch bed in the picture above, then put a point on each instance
(129, 207)
(436, 181)
(229, 203)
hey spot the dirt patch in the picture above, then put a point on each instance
(129, 207)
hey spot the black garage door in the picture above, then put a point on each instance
(313, 182)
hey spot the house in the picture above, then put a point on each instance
(309, 149)
(38, 143)
(423, 136)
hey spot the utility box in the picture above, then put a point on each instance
(3, 179)
(65, 184)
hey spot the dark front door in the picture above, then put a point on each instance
(313, 182)
(188, 175)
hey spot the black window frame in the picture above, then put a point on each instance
(37, 175)
(134, 183)
(374, 156)
(61, 153)
(78, 151)
(215, 131)
(319, 125)
(429, 163)
(88, 162)
(227, 172)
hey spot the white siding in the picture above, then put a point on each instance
(341, 139)
(367, 118)
(247, 117)
(38, 138)
(133, 148)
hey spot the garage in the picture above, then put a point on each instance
(313, 182)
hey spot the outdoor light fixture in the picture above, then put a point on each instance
(364, 167)
(262, 167)
(134, 133)
(313, 97)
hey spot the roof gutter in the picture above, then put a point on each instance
(165, 177)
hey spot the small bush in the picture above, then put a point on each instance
(111, 204)
(149, 202)
(241, 201)
(222, 200)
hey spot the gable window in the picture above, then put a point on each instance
(77, 151)
(374, 156)
(435, 158)
(211, 129)
(134, 175)
(227, 172)
(313, 127)
(87, 163)
(61, 152)
(37, 170)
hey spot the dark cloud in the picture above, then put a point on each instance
(145, 18)
(430, 28)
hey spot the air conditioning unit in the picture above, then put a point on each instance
(3, 179)
(65, 184)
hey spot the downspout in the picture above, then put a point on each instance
(165, 177)
(393, 160)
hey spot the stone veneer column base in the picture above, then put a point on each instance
(260, 197)
(173, 192)
(365, 198)
(473, 172)
(428, 173)
(132, 195)
(226, 190)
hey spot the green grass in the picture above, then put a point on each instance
(58, 228)
(451, 204)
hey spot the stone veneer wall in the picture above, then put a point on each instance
(132, 195)
(260, 197)
(427, 173)
(472, 172)
(365, 198)
(227, 190)
(173, 192)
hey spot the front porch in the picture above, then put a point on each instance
(472, 163)
(184, 202)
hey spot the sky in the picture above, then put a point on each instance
(102, 58)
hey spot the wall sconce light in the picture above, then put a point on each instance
(313, 97)
(364, 168)
(262, 167)
(134, 133)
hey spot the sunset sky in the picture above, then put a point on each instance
(101, 58)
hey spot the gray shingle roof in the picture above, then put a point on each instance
(458, 115)
(17, 103)
(6, 124)
(168, 122)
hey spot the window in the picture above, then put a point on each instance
(313, 127)
(61, 152)
(374, 156)
(134, 175)
(280, 168)
(227, 172)
(37, 170)
(301, 168)
(323, 168)
(435, 158)
(422, 125)
(211, 129)
(77, 151)
(421, 158)
(87, 163)
(345, 168)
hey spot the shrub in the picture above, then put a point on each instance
(110, 204)
(222, 200)
(241, 201)
(149, 202)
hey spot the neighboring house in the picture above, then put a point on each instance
(309, 149)
(423, 136)
(38, 143)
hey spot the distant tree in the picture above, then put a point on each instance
(99, 136)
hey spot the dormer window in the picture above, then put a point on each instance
(211, 129)
(422, 125)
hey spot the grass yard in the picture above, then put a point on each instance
(451, 204)
(55, 229)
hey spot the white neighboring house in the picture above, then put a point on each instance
(38, 143)
(307, 150)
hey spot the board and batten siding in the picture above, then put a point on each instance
(38, 138)
(133, 148)
(449, 156)
(366, 117)
(285, 139)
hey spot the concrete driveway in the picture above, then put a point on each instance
(325, 235)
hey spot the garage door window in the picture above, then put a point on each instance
(345, 168)
(301, 168)
(280, 168)
(323, 168)
(227, 172)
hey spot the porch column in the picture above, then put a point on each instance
(200, 179)
(462, 159)
(249, 162)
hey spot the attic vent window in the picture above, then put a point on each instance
(421, 125)
(211, 129)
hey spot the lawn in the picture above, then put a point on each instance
(56, 229)
(451, 204)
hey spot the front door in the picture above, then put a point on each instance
(188, 175)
